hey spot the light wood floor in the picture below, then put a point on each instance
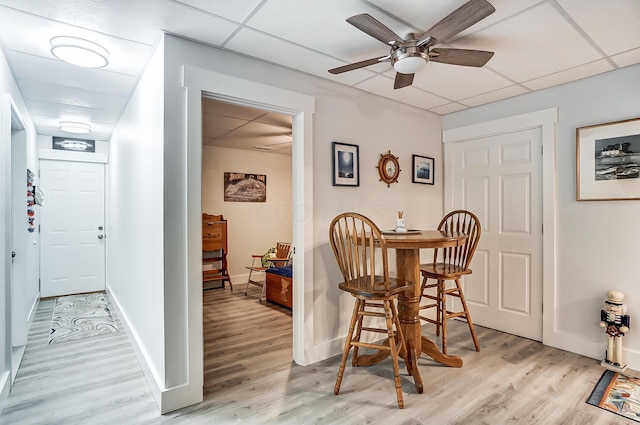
(98, 381)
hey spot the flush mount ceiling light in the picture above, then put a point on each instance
(80, 52)
(74, 127)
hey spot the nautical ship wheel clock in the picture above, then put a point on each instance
(389, 168)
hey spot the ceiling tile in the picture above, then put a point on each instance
(572, 74)
(277, 51)
(493, 96)
(135, 20)
(276, 119)
(423, 14)
(448, 108)
(236, 10)
(125, 57)
(456, 82)
(36, 68)
(627, 58)
(613, 25)
(211, 106)
(318, 25)
(71, 96)
(221, 122)
(191, 23)
(521, 57)
(383, 86)
(38, 107)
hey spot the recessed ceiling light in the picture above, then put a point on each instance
(74, 127)
(80, 52)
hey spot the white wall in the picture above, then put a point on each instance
(252, 227)
(342, 114)
(29, 285)
(597, 242)
(135, 239)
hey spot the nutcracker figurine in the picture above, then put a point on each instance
(615, 320)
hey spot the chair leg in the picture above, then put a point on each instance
(264, 290)
(402, 343)
(439, 311)
(394, 352)
(347, 346)
(468, 316)
(442, 314)
(246, 288)
(354, 356)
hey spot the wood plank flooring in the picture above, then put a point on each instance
(98, 381)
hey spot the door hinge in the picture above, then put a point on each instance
(541, 150)
(38, 228)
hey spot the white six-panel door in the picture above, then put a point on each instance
(72, 228)
(499, 178)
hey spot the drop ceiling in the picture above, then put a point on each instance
(537, 44)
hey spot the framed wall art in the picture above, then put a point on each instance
(243, 187)
(422, 169)
(346, 164)
(608, 161)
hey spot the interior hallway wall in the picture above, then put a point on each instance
(135, 211)
(597, 241)
(30, 285)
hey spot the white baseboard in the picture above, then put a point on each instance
(167, 399)
(150, 376)
(5, 387)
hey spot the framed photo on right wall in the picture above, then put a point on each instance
(422, 169)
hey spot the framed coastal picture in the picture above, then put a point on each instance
(346, 164)
(422, 169)
(243, 187)
(608, 161)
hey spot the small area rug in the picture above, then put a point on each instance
(617, 393)
(80, 316)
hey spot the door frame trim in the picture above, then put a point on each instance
(546, 120)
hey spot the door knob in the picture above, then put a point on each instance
(13, 254)
(100, 236)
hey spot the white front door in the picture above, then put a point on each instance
(72, 228)
(499, 178)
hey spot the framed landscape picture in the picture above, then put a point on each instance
(346, 164)
(422, 169)
(243, 187)
(608, 161)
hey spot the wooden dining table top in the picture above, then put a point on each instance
(423, 239)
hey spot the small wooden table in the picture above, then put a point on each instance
(407, 246)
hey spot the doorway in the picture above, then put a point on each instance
(499, 178)
(544, 122)
(245, 144)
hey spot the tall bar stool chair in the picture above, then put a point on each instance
(358, 245)
(448, 267)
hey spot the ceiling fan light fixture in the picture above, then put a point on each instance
(74, 127)
(80, 52)
(409, 64)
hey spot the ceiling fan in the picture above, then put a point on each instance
(411, 54)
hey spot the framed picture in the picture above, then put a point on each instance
(346, 164)
(422, 169)
(243, 187)
(608, 161)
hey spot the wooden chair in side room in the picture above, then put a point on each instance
(358, 245)
(281, 257)
(449, 265)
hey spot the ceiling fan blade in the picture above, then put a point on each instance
(376, 29)
(356, 65)
(462, 57)
(402, 80)
(457, 21)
